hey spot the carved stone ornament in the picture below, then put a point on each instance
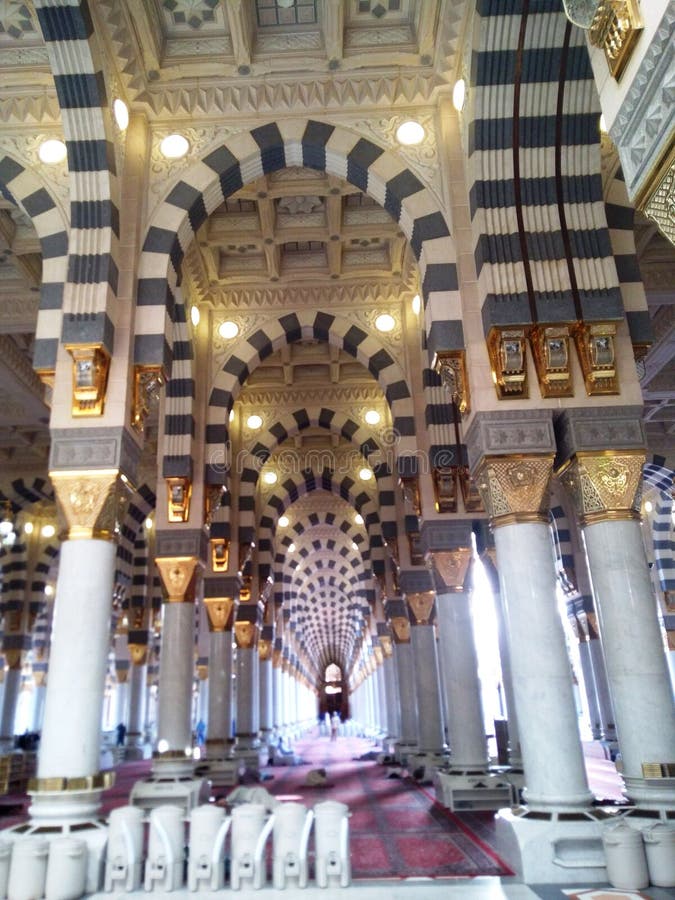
(264, 650)
(138, 654)
(91, 504)
(422, 606)
(219, 611)
(451, 566)
(515, 489)
(605, 486)
(659, 204)
(400, 627)
(245, 634)
(179, 577)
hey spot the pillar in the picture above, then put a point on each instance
(220, 598)
(265, 676)
(137, 695)
(390, 686)
(10, 697)
(605, 485)
(397, 613)
(421, 606)
(512, 462)
(246, 627)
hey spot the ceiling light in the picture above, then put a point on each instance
(365, 474)
(52, 151)
(270, 477)
(358, 518)
(148, 524)
(648, 506)
(372, 417)
(231, 415)
(385, 322)
(355, 546)
(48, 531)
(173, 146)
(603, 124)
(121, 113)
(228, 330)
(459, 94)
(291, 548)
(49, 590)
(28, 528)
(195, 315)
(283, 521)
(409, 133)
(416, 304)
(254, 422)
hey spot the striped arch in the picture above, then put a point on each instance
(563, 549)
(23, 494)
(141, 505)
(91, 285)
(249, 352)
(24, 188)
(542, 250)
(249, 155)
(658, 483)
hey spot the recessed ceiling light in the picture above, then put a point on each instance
(49, 590)
(385, 322)
(173, 146)
(372, 417)
(254, 422)
(228, 330)
(416, 304)
(28, 527)
(270, 477)
(52, 151)
(355, 546)
(148, 524)
(603, 124)
(358, 518)
(283, 521)
(121, 113)
(648, 506)
(195, 315)
(409, 133)
(365, 474)
(291, 548)
(231, 415)
(459, 94)
(48, 531)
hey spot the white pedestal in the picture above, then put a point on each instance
(472, 792)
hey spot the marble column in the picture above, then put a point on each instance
(389, 674)
(514, 489)
(220, 599)
(265, 677)
(70, 747)
(606, 486)
(397, 613)
(277, 688)
(449, 551)
(430, 737)
(40, 691)
(593, 650)
(137, 695)
(246, 627)
(10, 699)
(176, 664)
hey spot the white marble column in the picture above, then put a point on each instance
(397, 613)
(248, 698)
(137, 698)
(430, 737)
(39, 694)
(219, 729)
(176, 663)
(265, 679)
(10, 699)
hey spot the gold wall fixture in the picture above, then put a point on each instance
(515, 488)
(220, 554)
(470, 494)
(91, 364)
(597, 356)
(508, 359)
(410, 488)
(148, 381)
(245, 635)
(213, 500)
(264, 649)
(445, 488)
(451, 566)
(179, 491)
(451, 366)
(385, 643)
(414, 545)
(551, 351)
(219, 611)
(615, 28)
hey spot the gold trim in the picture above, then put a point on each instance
(148, 381)
(596, 349)
(451, 566)
(138, 654)
(179, 492)
(92, 503)
(551, 352)
(604, 486)
(445, 481)
(91, 364)
(450, 365)
(615, 29)
(245, 635)
(220, 554)
(179, 577)
(219, 611)
(264, 649)
(507, 349)
(99, 781)
(400, 628)
(515, 488)
(421, 604)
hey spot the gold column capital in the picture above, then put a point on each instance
(245, 634)
(202, 672)
(451, 567)
(385, 643)
(515, 488)
(421, 604)
(92, 503)
(219, 611)
(400, 627)
(179, 577)
(604, 486)
(138, 654)
(277, 658)
(14, 659)
(264, 649)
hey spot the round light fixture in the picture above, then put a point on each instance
(121, 113)
(355, 546)
(49, 590)
(254, 422)
(148, 524)
(385, 322)
(228, 330)
(416, 304)
(52, 152)
(358, 518)
(291, 548)
(365, 474)
(28, 528)
(283, 521)
(174, 146)
(48, 531)
(195, 315)
(231, 417)
(648, 506)
(409, 133)
(270, 477)
(459, 94)
(603, 124)
(162, 745)
(372, 417)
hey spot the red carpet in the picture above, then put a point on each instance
(397, 830)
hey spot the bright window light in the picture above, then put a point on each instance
(409, 133)
(174, 146)
(52, 152)
(228, 330)
(385, 322)
(121, 113)
(254, 422)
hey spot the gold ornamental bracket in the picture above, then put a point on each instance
(515, 488)
(220, 554)
(445, 480)
(596, 349)
(179, 492)
(615, 29)
(91, 503)
(410, 490)
(451, 567)
(148, 381)
(179, 577)
(385, 643)
(551, 352)
(508, 360)
(450, 365)
(421, 605)
(91, 364)
(219, 611)
(604, 486)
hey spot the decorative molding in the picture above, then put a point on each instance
(604, 487)
(338, 396)
(660, 202)
(609, 428)
(181, 542)
(179, 577)
(515, 490)
(499, 433)
(94, 448)
(13, 359)
(92, 504)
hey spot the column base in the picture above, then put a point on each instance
(651, 793)
(173, 781)
(404, 750)
(250, 754)
(423, 763)
(474, 791)
(553, 847)
(222, 772)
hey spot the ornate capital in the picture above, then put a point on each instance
(91, 503)
(400, 627)
(385, 643)
(264, 649)
(138, 654)
(219, 611)
(604, 486)
(245, 634)
(515, 489)
(451, 567)
(179, 577)
(421, 606)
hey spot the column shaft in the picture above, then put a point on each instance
(430, 737)
(176, 662)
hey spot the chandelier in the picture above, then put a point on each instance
(7, 532)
